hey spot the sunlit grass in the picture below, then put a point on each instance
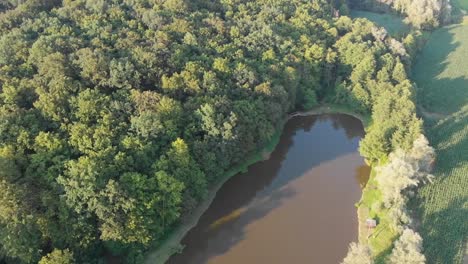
(381, 238)
(441, 70)
(463, 4)
(443, 205)
(392, 23)
(441, 73)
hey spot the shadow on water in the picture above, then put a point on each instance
(306, 142)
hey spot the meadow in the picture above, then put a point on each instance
(393, 23)
(441, 73)
(463, 4)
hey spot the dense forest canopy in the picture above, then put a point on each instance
(116, 116)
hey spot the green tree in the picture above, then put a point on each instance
(58, 256)
(178, 162)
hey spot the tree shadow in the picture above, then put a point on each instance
(450, 141)
(442, 206)
(437, 93)
(449, 226)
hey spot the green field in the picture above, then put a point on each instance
(441, 72)
(460, 4)
(392, 23)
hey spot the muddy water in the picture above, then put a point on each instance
(296, 207)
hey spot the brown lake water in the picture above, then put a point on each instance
(296, 207)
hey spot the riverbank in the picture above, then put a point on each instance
(380, 239)
(172, 244)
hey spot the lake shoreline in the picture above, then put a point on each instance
(172, 244)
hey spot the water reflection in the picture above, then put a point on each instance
(295, 207)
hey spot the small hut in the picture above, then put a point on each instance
(371, 223)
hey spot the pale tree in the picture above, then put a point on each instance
(358, 254)
(425, 13)
(423, 153)
(405, 170)
(407, 249)
(395, 176)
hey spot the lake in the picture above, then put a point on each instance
(296, 207)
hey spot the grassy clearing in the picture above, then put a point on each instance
(392, 23)
(441, 72)
(381, 238)
(460, 4)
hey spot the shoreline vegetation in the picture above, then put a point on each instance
(117, 117)
(438, 71)
(172, 244)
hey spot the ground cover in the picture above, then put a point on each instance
(393, 23)
(441, 72)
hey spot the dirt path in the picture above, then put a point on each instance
(465, 258)
(431, 115)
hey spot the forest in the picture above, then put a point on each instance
(117, 116)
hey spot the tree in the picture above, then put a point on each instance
(407, 249)
(358, 254)
(58, 256)
(115, 116)
(19, 234)
(178, 163)
(405, 170)
(399, 73)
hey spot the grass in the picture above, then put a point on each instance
(394, 24)
(463, 4)
(441, 72)
(171, 245)
(460, 4)
(443, 205)
(381, 238)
